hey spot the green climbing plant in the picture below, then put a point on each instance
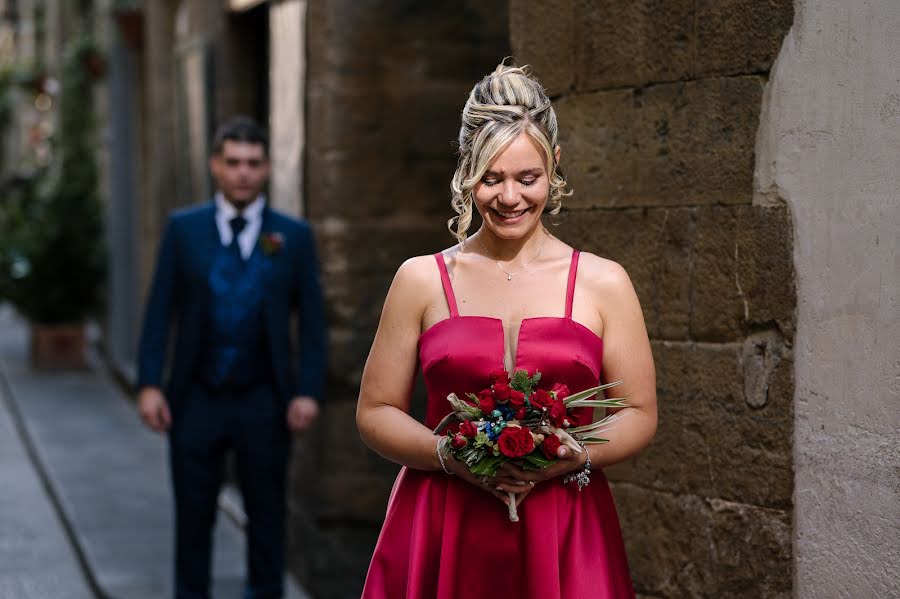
(56, 267)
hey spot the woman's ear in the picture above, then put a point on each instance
(556, 152)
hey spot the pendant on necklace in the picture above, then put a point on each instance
(508, 277)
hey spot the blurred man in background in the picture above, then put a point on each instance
(230, 274)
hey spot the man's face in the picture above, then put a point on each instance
(241, 170)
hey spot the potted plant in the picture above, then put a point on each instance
(55, 259)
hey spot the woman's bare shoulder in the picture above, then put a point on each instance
(417, 272)
(602, 274)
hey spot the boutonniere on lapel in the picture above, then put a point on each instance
(271, 242)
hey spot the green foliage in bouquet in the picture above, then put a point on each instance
(55, 264)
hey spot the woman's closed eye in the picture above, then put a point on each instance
(526, 182)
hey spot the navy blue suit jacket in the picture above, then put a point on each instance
(179, 296)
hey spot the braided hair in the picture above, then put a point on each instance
(500, 107)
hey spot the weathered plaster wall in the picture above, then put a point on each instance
(830, 146)
(659, 106)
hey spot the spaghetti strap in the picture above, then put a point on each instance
(445, 281)
(570, 288)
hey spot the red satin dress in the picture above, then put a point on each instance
(444, 538)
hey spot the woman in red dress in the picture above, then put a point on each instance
(510, 296)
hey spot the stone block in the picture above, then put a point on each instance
(750, 550)
(739, 36)
(598, 150)
(688, 546)
(694, 142)
(360, 186)
(394, 117)
(666, 540)
(718, 308)
(743, 277)
(677, 144)
(765, 266)
(654, 245)
(542, 34)
(632, 43)
(710, 441)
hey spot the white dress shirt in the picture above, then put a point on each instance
(252, 213)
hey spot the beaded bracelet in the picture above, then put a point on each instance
(582, 477)
(437, 450)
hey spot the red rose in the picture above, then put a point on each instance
(557, 412)
(549, 446)
(561, 390)
(458, 441)
(499, 376)
(516, 399)
(520, 414)
(486, 401)
(515, 442)
(468, 429)
(541, 399)
(502, 392)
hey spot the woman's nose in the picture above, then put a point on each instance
(508, 194)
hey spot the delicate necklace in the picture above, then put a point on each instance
(510, 275)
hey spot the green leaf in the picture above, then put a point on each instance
(481, 439)
(594, 425)
(538, 459)
(487, 466)
(614, 402)
(588, 393)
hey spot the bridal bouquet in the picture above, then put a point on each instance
(514, 420)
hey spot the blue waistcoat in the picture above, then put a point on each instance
(236, 352)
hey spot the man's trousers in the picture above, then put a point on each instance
(207, 425)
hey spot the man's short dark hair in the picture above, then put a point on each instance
(242, 129)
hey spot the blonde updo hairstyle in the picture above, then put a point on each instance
(500, 107)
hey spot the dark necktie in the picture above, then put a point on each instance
(237, 225)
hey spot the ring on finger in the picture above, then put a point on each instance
(484, 482)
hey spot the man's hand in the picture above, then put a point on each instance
(154, 409)
(302, 412)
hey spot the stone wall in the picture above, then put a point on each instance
(659, 106)
(830, 145)
(386, 83)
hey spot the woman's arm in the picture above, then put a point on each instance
(382, 413)
(627, 358)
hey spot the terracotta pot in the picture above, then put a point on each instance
(58, 347)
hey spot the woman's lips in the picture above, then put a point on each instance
(510, 217)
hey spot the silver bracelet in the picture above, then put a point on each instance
(437, 450)
(583, 476)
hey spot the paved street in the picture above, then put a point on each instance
(85, 506)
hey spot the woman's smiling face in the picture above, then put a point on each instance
(513, 192)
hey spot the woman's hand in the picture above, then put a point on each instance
(490, 484)
(510, 475)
